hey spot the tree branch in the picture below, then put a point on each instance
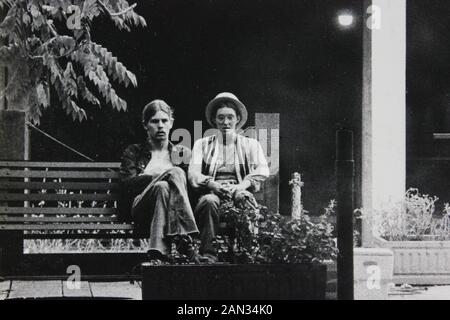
(75, 48)
(35, 57)
(115, 14)
(52, 30)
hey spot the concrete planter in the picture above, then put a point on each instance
(373, 271)
(234, 282)
(419, 262)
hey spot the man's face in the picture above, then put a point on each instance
(226, 120)
(158, 127)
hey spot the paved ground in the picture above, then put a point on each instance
(421, 293)
(57, 289)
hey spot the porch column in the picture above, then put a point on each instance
(384, 122)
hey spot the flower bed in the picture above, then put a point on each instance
(230, 281)
(418, 236)
(270, 256)
(419, 262)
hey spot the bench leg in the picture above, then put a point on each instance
(11, 250)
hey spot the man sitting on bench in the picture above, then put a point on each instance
(154, 182)
(223, 166)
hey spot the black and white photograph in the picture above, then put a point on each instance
(224, 151)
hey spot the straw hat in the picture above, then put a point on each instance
(215, 103)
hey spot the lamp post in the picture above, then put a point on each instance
(345, 169)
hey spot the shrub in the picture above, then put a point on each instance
(413, 218)
(261, 236)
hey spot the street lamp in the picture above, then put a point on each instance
(345, 19)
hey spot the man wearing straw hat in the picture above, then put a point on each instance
(225, 165)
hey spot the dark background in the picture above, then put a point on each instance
(285, 56)
(428, 97)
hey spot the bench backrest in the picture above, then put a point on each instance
(58, 192)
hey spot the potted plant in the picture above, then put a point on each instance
(418, 236)
(270, 256)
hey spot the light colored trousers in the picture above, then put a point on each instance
(207, 215)
(164, 209)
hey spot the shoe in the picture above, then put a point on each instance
(155, 255)
(210, 258)
(185, 247)
(183, 244)
(196, 258)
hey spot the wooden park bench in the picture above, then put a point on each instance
(57, 200)
(70, 200)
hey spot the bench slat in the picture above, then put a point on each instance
(58, 174)
(66, 226)
(36, 164)
(58, 220)
(128, 234)
(37, 210)
(59, 185)
(57, 197)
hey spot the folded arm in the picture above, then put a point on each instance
(195, 176)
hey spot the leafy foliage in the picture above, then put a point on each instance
(48, 48)
(264, 237)
(413, 218)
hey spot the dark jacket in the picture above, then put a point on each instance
(134, 160)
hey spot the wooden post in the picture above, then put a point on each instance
(297, 184)
(3, 70)
(345, 169)
(12, 147)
